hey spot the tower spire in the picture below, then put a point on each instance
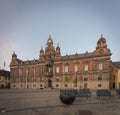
(57, 44)
(101, 35)
(41, 47)
(50, 34)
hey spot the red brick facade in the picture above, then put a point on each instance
(88, 70)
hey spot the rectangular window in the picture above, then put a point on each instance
(21, 80)
(49, 69)
(114, 77)
(20, 73)
(57, 79)
(41, 71)
(75, 68)
(66, 68)
(57, 69)
(100, 66)
(86, 67)
(34, 69)
(27, 79)
(26, 72)
(85, 78)
(93, 77)
(99, 77)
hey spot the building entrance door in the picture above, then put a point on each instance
(49, 83)
(113, 85)
(27, 86)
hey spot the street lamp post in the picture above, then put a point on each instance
(76, 69)
(80, 80)
(75, 78)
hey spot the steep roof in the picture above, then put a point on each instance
(4, 73)
(116, 64)
(87, 54)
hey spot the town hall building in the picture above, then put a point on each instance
(52, 70)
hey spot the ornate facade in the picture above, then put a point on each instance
(87, 70)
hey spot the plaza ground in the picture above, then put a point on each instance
(47, 102)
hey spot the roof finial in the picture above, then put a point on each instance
(50, 34)
(101, 35)
(41, 47)
(57, 44)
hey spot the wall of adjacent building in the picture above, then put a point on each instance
(114, 77)
(4, 82)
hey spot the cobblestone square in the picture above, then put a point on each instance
(46, 102)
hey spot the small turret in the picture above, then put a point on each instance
(14, 59)
(14, 56)
(41, 56)
(57, 49)
(102, 46)
(49, 51)
(58, 53)
(49, 41)
(101, 42)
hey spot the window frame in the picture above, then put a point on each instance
(57, 69)
(86, 67)
(75, 67)
(100, 66)
(66, 68)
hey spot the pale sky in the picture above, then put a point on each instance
(75, 24)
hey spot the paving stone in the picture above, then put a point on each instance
(47, 102)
